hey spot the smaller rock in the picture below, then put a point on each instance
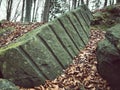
(7, 85)
(108, 56)
(109, 63)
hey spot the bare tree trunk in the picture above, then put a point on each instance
(117, 1)
(37, 7)
(69, 5)
(33, 18)
(105, 3)
(82, 2)
(74, 2)
(0, 2)
(9, 8)
(78, 3)
(16, 12)
(45, 15)
(112, 2)
(23, 7)
(87, 2)
(28, 10)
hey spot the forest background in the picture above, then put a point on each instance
(44, 10)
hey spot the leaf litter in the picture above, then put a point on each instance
(19, 30)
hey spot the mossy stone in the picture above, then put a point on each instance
(7, 85)
(43, 53)
(108, 56)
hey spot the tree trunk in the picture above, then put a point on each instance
(78, 3)
(9, 8)
(117, 1)
(23, 7)
(34, 9)
(87, 2)
(45, 16)
(28, 10)
(74, 2)
(112, 2)
(82, 2)
(105, 3)
(16, 12)
(69, 5)
(0, 2)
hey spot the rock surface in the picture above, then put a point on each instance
(82, 74)
(7, 85)
(43, 53)
(108, 55)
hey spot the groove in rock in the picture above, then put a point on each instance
(65, 48)
(81, 24)
(31, 62)
(76, 30)
(68, 34)
(49, 48)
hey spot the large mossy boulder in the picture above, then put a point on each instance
(43, 53)
(7, 85)
(108, 56)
